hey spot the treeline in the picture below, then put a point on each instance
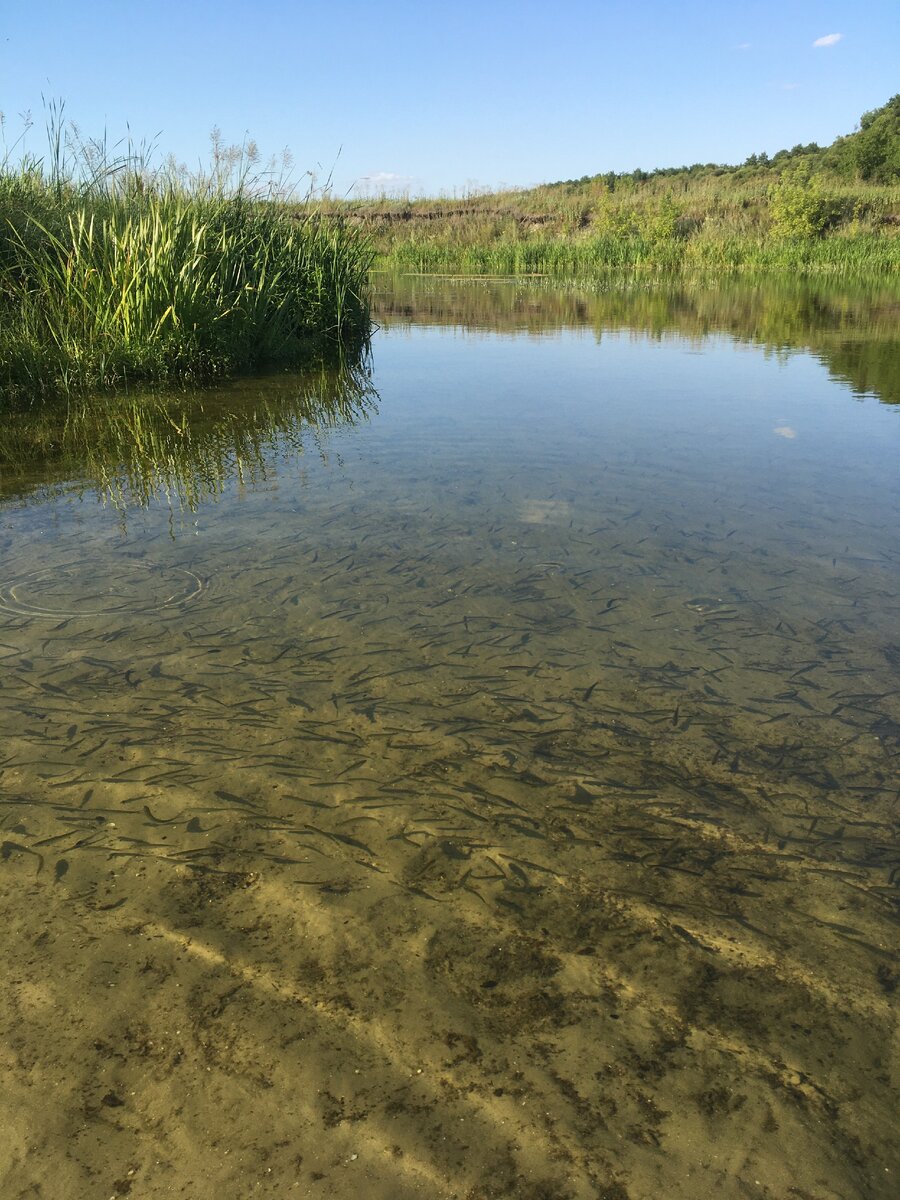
(871, 153)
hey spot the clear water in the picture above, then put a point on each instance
(473, 778)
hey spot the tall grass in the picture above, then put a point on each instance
(850, 255)
(727, 221)
(112, 276)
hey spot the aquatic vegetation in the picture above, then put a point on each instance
(118, 275)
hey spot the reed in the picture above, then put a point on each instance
(115, 277)
(843, 254)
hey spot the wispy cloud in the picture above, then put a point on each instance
(743, 45)
(830, 39)
(387, 182)
(789, 87)
(385, 177)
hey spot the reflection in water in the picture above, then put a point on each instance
(854, 328)
(133, 449)
(505, 807)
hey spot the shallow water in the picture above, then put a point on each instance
(483, 784)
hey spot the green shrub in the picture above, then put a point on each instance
(797, 206)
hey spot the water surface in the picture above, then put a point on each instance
(470, 774)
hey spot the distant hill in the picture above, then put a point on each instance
(809, 209)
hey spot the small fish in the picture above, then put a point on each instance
(7, 849)
(160, 820)
(231, 798)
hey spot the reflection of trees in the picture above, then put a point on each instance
(852, 326)
(132, 449)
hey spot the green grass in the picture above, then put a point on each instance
(115, 275)
(606, 253)
(596, 253)
(122, 278)
(805, 211)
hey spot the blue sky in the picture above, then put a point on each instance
(442, 98)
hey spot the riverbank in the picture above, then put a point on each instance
(731, 222)
(811, 210)
(849, 254)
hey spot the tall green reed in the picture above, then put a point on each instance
(604, 252)
(116, 274)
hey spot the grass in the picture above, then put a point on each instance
(115, 275)
(602, 253)
(736, 219)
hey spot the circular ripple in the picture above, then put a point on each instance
(91, 589)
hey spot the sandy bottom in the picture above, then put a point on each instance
(439, 909)
(175, 1032)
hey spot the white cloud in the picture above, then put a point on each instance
(830, 39)
(743, 45)
(789, 87)
(383, 183)
(383, 177)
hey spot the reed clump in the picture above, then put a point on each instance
(118, 275)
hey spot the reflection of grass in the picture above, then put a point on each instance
(851, 324)
(132, 449)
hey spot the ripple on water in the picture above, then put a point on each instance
(83, 589)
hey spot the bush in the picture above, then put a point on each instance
(797, 206)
